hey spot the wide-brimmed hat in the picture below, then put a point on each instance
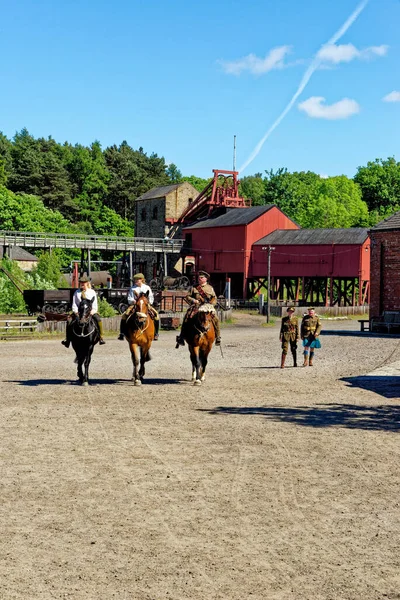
(203, 274)
(138, 276)
(84, 279)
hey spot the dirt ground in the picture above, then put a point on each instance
(261, 484)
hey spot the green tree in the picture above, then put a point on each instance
(253, 187)
(11, 299)
(25, 175)
(315, 202)
(173, 173)
(48, 269)
(23, 212)
(198, 182)
(380, 187)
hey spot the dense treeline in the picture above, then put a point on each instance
(47, 186)
(85, 188)
(314, 201)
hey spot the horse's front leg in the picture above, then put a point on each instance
(144, 358)
(135, 362)
(79, 371)
(88, 358)
(196, 366)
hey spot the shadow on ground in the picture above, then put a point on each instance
(376, 418)
(38, 382)
(361, 334)
(387, 386)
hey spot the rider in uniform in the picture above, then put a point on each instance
(309, 331)
(289, 334)
(138, 287)
(200, 294)
(85, 291)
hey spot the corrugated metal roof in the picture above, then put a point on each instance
(159, 192)
(356, 235)
(233, 216)
(392, 222)
(17, 253)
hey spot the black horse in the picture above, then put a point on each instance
(84, 336)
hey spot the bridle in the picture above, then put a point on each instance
(141, 317)
(84, 321)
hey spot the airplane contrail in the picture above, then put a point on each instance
(305, 79)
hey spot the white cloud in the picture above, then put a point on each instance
(314, 107)
(392, 97)
(257, 66)
(338, 53)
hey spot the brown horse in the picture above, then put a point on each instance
(199, 334)
(139, 332)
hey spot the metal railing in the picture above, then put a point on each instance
(89, 242)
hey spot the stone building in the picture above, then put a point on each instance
(385, 266)
(26, 261)
(156, 212)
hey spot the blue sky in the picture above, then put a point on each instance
(182, 78)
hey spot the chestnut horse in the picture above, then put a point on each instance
(139, 332)
(199, 334)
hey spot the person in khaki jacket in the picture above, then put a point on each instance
(309, 331)
(200, 294)
(289, 334)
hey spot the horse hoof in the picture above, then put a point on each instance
(138, 382)
(197, 382)
(85, 383)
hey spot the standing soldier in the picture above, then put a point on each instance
(289, 334)
(200, 294)
(310, 330)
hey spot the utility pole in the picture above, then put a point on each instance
(270, 249)
(234, 152)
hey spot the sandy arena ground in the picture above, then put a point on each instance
(262, 484)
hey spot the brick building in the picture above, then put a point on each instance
(385, 266)
(156, 212)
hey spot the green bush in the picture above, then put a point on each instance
(105, 309)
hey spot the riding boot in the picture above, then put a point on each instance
(294, 354)
(122, 326)
(311, 359)
(156, 328)
(305, 363)
(283, 358)
(101, 333)
(215, 321)
(67, 340)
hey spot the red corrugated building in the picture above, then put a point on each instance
(314, 266)
(223, 245)
(385, 266)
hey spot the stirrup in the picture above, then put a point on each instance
(218, 341)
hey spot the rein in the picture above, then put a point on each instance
(136, 313)
(81, 334)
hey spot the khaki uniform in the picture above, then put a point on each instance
(310, 327)
(289, 333)
(207, 295)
